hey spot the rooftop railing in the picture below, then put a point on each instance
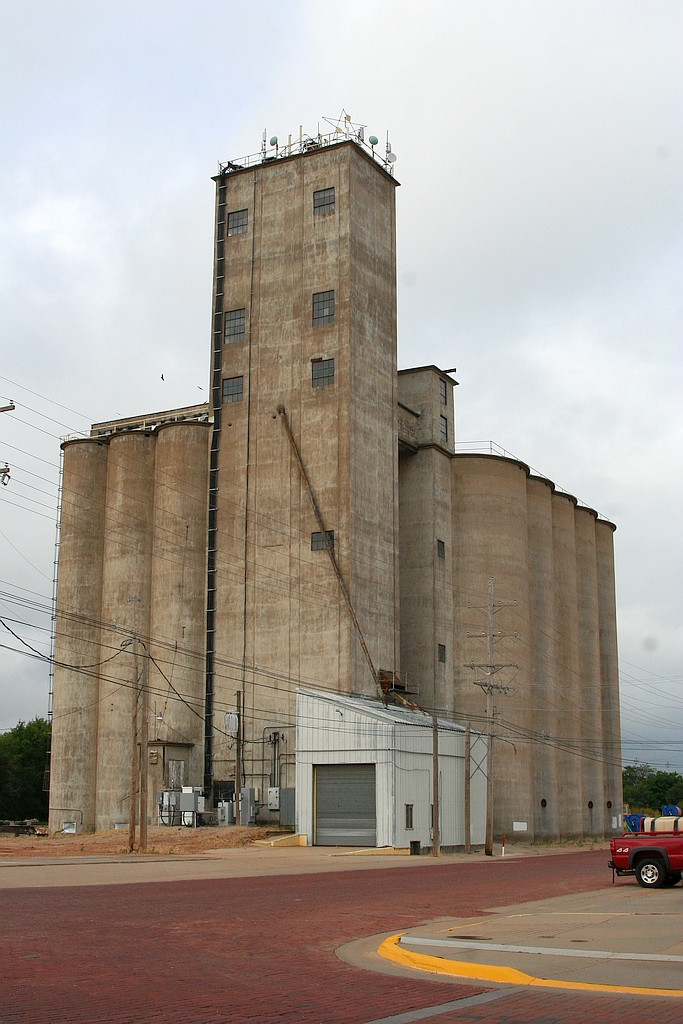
(275, 150)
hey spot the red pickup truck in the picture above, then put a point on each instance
(655, 858)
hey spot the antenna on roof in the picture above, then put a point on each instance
(343, 125)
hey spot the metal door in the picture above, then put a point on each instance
(345, 810)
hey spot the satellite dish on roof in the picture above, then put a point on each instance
(273, 140)
(391, 158)
(373, 140)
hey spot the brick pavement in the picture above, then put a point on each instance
(263, 949)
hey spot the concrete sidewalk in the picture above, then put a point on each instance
(622, 940)
(255, 860)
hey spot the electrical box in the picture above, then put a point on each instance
(167, 805)
(225, 811)
(247, 806)
(273, 798)
(189, 801)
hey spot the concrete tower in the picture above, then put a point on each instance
(303, 356)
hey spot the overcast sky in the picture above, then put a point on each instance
(540, 155)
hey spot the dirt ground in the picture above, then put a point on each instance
(114, 842)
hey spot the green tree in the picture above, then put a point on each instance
(648, 790)
(23, 751)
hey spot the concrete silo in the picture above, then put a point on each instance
(589, 667)
(131, 605)
(568, 680)
(543, 667)
(127, 556)
(77, 645)
(490, 541)
(175, 743)
(609, 673)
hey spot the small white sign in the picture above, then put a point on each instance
(519, 826)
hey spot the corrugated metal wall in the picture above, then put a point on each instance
(341, 731)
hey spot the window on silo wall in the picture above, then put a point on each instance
(323, 200)
(444, 428)
(442, 391)
(234, 325)
(322, 372)
(442, 653)
(409, 816)
(238, 222)
(233, 389)
(318, 541)
(440, 549)
(323, 308)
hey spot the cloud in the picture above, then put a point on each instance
(540, 155)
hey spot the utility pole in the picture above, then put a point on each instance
(435, 786)
(4, 470)
(490, 688)
(238, 757)
(144, 756)
(133, 749)
(468, 773)
(135, 700)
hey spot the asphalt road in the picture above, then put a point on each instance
(294, 939)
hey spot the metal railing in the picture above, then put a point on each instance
(273, 150)
(492, 448)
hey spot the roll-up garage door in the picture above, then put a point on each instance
(345, 813)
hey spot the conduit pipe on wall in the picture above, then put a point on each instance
(330, 550)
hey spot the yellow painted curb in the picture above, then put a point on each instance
(391, 950)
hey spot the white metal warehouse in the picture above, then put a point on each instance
(364, 774)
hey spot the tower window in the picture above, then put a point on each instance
(233, 389)
(440, 549)
(409, 816)
(237, 222)
(444, 428)
(442, 390)
(318, 541)
(323, 200)
(234, 325)
(323, 308)
(442, 653)
(322, 372)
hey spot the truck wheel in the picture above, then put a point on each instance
(650, 873)
(673, 878)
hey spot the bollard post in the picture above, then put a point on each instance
(502, 847)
